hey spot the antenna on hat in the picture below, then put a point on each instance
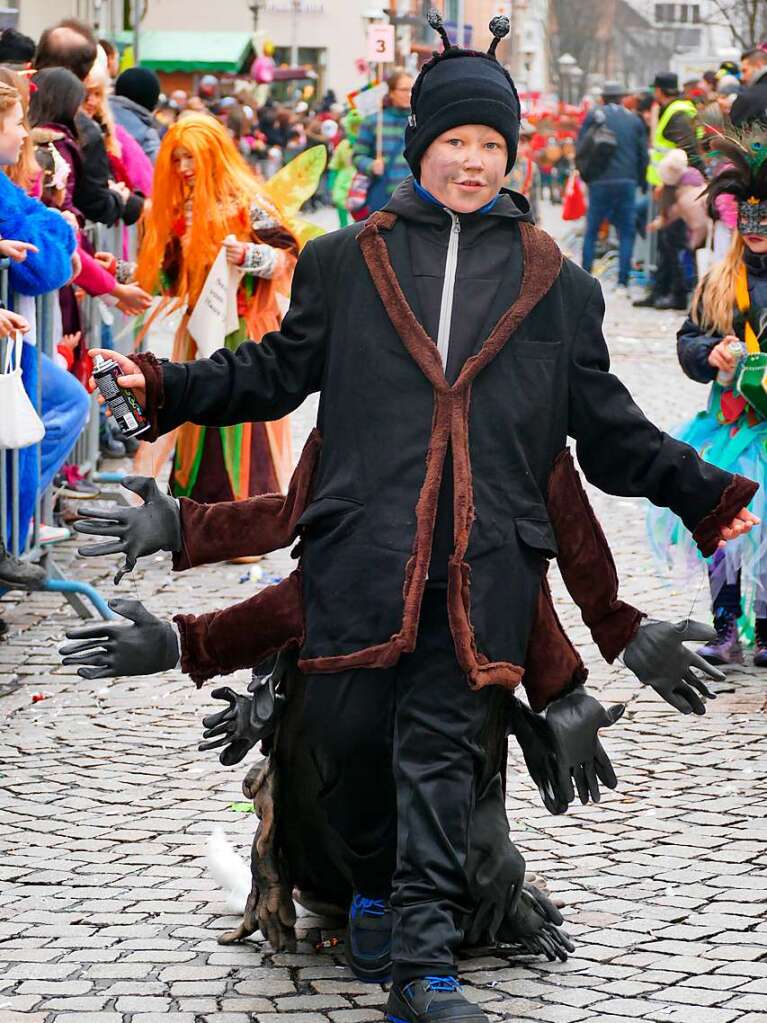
(435, 20)
(500, 27)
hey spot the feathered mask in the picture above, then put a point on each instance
(743, 176)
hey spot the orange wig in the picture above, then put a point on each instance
(224, 190)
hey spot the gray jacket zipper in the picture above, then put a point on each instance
(448, 288)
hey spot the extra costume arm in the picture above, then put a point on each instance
(258, 382)
(623, 453)
(586, 562)
(693, 347)
(243, 635)
(233, 529)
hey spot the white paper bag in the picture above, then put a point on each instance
(215, 312)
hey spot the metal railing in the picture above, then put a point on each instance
(85, 449)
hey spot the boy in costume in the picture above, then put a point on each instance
(423, 547)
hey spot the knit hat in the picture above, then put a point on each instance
(672, 166)
(458, 87)
(139, 84)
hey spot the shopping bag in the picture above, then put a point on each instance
(20, 424)
(574, 201)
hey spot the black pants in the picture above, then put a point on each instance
(669, 275)
(400, 759)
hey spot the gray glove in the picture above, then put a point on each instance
(658, 658)
(537, 744)
(137, 531)
(244, 722)
(110, 649)
(574, 721)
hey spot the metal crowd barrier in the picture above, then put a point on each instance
(85, 450)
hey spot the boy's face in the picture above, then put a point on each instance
(465, 167)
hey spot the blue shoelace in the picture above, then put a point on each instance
(367, 907)
(443, 983)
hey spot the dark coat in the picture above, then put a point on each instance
(92, 195)
(386, 416)
(629, 161)
(751, 105)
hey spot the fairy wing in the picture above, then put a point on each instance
(293, 185)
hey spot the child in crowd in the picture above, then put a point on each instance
(728, 317)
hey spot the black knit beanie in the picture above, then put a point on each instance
(460, 86)
(139, 84)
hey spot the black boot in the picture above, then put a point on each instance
(17, 574)
(648, 302)
(368, 939)
(760, 643)
(432, 1000)
(676, 301)
(109, 444)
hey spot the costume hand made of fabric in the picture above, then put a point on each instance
(137, 532)
(535, 925)
(563, 746)
(658, 658)
(143, 645)
(244, 722)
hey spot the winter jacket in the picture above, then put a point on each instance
(629, 161)
(138, 167)
(92, 194)
(396, 169)
(69, 148)
(138, 122)
(27, 220)
(751, 105)
(538, 372)
(689, 204)
(694, 345)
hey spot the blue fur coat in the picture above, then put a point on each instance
(24, 219)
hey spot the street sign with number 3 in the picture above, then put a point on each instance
(381, 44)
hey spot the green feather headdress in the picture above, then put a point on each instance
(744, 173)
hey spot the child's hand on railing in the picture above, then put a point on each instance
(131, 299)
(132, 377)
(11, 322)
(16, 251)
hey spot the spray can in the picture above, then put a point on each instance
(726, 377)
(129, 415)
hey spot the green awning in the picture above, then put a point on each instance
(192, 51)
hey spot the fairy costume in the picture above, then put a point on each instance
(731, 432)
(188, 223)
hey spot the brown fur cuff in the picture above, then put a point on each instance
(616, 630)
(155, 391)
(552, 664)
(737, 495)
(241, 636)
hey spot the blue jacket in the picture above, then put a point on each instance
(23, 219)
(393, 144)
(138, 122)
(629, 161)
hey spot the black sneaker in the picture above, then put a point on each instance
(18, 574)
(432, 1000)
(368, 939)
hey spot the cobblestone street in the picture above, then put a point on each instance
(107, 913)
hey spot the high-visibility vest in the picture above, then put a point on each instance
(661, 145)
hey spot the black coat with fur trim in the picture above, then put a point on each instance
(388, 417)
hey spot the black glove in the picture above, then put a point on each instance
(657, 657)
(575, 721)
(534, 926)
(245, 721)
(138, 531)
(537, 744)
(109, 649)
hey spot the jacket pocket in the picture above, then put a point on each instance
(537, 534)
(327, 508)
(536, 349)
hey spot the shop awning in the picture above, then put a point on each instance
(192, 51)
